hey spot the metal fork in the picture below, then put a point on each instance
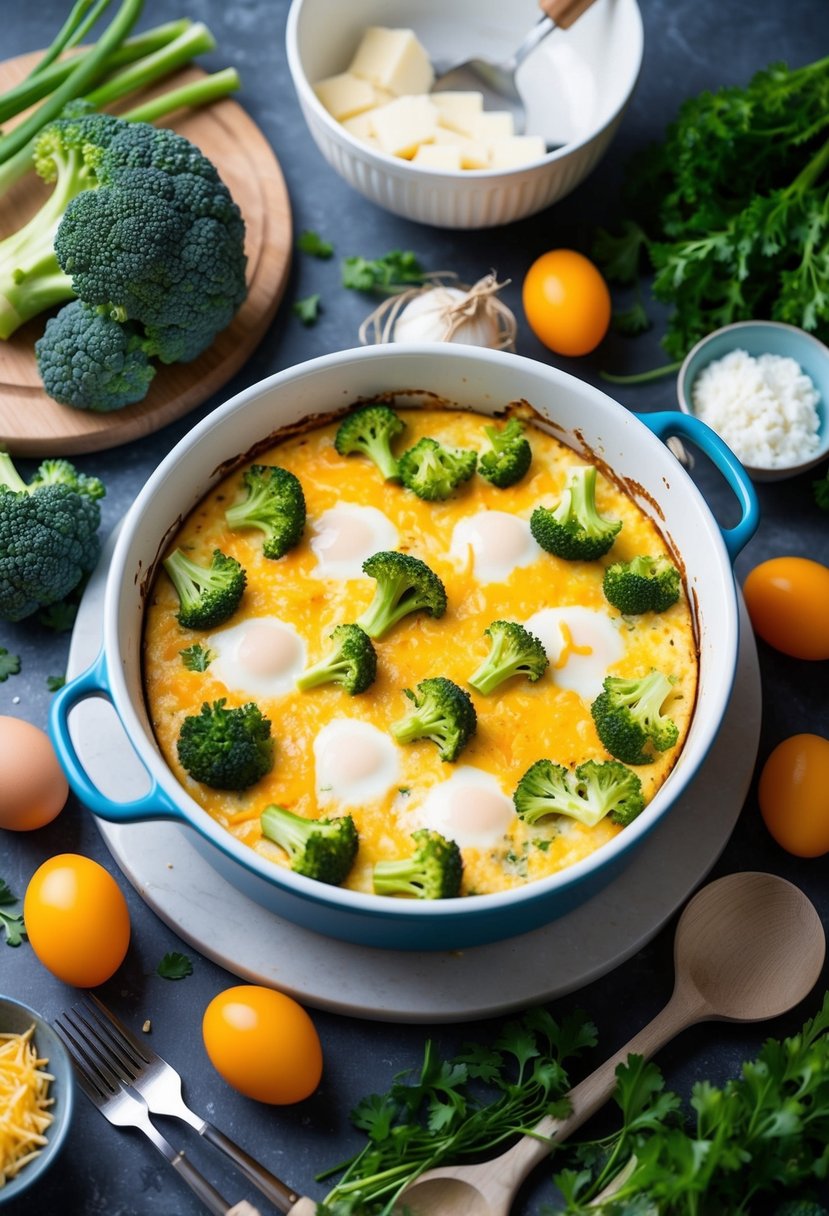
(158, 1083)
(123, 1109)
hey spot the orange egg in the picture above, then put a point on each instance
(788, 602)
(76, 919)
(33, 789)
(263, 1043)
(566, 302)
(794, 795)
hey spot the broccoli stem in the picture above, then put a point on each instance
(9, 476)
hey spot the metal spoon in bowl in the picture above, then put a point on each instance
(748, 947)
(497, 80)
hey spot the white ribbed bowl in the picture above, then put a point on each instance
(576, 85)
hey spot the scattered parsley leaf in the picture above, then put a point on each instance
(55, 683)
(197, 657)
(10, 922)
(312, 243)
(9, 664)
(388, 274)
(820, 489)
(631, 321)
(174, 966)
(308, 309)
(59, 617)
(620, 255)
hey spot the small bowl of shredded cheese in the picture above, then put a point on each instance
(36, 1097)
(763, 386)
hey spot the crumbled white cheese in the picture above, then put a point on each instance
(763, 408)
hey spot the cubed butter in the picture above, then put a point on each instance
(516, 151)
(404, 124)
(360, 126)
(345, 95)
(393, 60)
(473, 153)
(492, 125)
(434, 156)
(459, 111)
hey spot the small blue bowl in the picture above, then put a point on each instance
(15, 1018)
(764, 338)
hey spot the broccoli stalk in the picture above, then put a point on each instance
(208, 595)
(405, 584)
(370, 431)
(574, 530)
(509, 456)
(440, 711)
(513, 651)
(352, 662)
(227, 749)
(48, 534)
(433, 471)
(629, 719)
(323, 849)
(433, 872)
(275, 505)
(595, 789)
(645, 584)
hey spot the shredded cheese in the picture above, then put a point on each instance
(24, 1103)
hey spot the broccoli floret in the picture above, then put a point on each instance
(593, 790)
(227, 749)
(508, 458)
(208, 595)
(440, 711)
(323, 849)
(513, 651)
(140, 224)
(629, 720)
(433, 471)
(48, 534)
(352, 662)
(275, 504)
(404, 584)
(645, 584)
(370, 431)
(88, 361)
(433, 872)
(574, 529)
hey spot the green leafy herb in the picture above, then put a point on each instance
(174, 966)
(9, 664)
(308, 309)
(60, 616)
(820, 488)
(55, 683)
(10, 922)
(197, 657)
(388, 274)
(621, 253)
(631, 321)
(312, 243)
(456, 1109)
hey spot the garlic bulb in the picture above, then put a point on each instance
(444, 312)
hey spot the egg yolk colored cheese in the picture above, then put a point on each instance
(392, 791)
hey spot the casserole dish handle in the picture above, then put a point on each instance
(94, 682)
(670, 422)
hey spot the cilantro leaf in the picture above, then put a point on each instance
(197, 657)
(308, 309)
(820, 489)
(10, 922)
(312, 243)
(174, 966)
(388, 274)
(631, 321)
(55, 683)
(59, 617)
(9, 664)
(620, 256)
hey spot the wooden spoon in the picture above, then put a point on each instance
(748, 947)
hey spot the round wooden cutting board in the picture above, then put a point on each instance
(31, 424)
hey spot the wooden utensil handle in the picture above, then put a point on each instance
(565, 12)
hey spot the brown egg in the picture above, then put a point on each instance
(33, 790)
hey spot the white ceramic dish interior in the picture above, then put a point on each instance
(576, 86)
(484, 381)
(765, 338)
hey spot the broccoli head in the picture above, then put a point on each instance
(433, 471)
(352, 662)
(323, 849)
(48, 534)
(433, 872)
(589, 793)
(513, 651)
(208, 595)
(370, 431)
(405, 584)
(88, 361)
(275, 504)
(227, 749)
(573, 529)
(440, 711)
(508, 457)
(645, 584)
(629, 719)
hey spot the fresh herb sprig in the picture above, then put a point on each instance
(9, 664)
(385, 275)
(456, 1109)
(197, 657)
(11, 923)
(174, 966)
